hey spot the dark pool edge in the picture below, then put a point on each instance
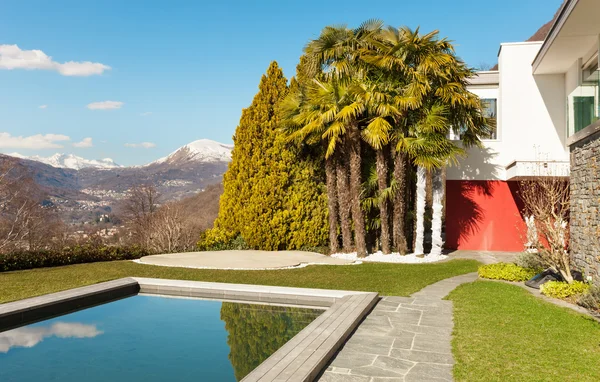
(31, 310)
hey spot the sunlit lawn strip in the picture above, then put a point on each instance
(386, 279)
(503, 333)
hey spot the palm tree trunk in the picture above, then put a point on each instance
(382, 182)
(343, 194)
(355, 190)
(332, 204)
(438, 189)
(420, 210)
(399, 208)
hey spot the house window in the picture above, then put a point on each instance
(583, 106)
(489, 108)
(490, 111)
(583, 112)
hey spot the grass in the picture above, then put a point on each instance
(503, 333)
(387, 279)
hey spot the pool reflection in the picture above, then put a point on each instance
(257, 331)
(29, 336)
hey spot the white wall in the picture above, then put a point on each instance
(531, 118)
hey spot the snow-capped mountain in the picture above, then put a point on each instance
(202, 150)
(81, 185)
(70, 161)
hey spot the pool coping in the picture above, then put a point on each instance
(303, 358)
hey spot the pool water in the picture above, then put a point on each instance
(150, 338)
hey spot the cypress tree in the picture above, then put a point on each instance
(272, 197)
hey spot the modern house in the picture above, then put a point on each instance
(545, 97)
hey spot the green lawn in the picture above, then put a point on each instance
(503, 333)
(387, 279)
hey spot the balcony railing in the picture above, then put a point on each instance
(518, 170)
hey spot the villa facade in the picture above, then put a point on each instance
(545, 99)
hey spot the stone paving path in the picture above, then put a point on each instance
(402, 339)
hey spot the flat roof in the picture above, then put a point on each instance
(572, 35)
(489, 77)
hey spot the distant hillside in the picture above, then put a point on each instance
(185, 172)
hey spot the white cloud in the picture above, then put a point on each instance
(85, 143)
(146, 113)
(28, 337)
(13, 57)
(144, 145)
(105, 105)
(43, 107)
(36, 142)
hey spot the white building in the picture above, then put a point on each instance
(544, 96)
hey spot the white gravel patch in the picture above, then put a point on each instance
(395, 257)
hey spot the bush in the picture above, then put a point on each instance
(211, 240)
(529, 260)
(506, 271)
(591, 299)
(19, 260)
(563, 290)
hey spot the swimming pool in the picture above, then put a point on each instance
(151, 338)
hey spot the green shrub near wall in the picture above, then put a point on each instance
(15, 261)
(507, 272)
(562, 290)
(591, 299)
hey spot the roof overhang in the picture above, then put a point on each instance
(491, 77)
(574, 33)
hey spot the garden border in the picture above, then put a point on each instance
(303, 358)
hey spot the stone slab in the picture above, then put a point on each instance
(247, 259)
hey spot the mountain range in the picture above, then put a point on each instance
(80, 186)
(202, 150)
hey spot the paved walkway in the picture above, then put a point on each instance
(241, 259)
(486, 257)
(402, 339)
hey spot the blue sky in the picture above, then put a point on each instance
(183, 70)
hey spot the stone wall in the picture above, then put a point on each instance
(585, 205)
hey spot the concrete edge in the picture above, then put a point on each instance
(243, 292)
(30, 310)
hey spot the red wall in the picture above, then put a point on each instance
(484, 215)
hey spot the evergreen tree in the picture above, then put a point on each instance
(273, 198)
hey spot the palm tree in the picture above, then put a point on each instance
(310, 114)
(334, 56)
(433, 82)
(381, 109)
(389, 88)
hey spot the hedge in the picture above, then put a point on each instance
(20, 260)
(563, 290)
(506, 271)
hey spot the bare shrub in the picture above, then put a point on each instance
(171, 227)
(25, 223)
(546, 199)
(529, 260)
(139, 208)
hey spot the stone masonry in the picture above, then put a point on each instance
(585, 205)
